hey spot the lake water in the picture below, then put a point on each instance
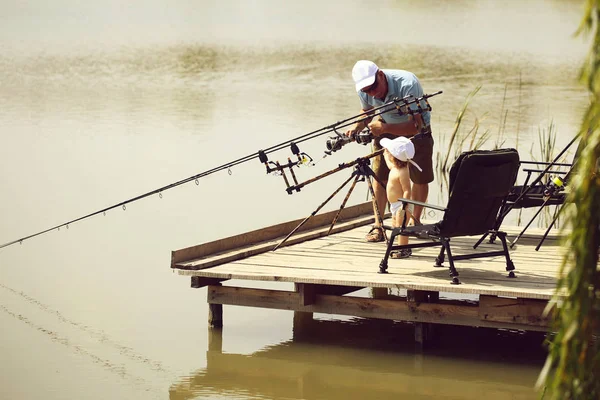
(103, 101)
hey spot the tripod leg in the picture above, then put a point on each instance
(343, 204)
(378, 215)
(313, 213)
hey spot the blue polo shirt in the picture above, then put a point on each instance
(400, 84)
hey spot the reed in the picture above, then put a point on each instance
(520, 87)
(546, 147)
(502, 124)
(455, 130)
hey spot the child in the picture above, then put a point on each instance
(397, 153)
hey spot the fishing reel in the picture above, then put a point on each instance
(335, 143)
(556, 185)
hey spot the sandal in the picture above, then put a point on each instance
(375, 235)
(404, 253)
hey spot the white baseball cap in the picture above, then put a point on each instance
(363, 73)
(402, 148)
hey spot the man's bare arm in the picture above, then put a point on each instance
(359, 126)
(408, 128)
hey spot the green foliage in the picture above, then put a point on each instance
(572, 370)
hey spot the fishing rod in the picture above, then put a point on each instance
(401, 105)
(409, 106)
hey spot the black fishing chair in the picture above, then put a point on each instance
(538, 190)
(479, 183)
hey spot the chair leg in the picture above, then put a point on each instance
(453, 271)
(383, 265)
(510, 266)
(439, 260)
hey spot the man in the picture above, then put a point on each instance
(376, 87)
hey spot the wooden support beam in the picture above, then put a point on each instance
(200, 281)
(441, 313)
(337, 290)
(379, 292)
(308, 291)
(519, 311)
(416, 296)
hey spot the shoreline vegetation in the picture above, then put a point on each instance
(477, 136)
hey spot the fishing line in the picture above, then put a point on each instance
(389, 106)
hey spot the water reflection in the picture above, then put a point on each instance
(371, 359)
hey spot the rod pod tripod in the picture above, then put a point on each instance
(362, 171)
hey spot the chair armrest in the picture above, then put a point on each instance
(547, 163)
(419, 203)
(548, 172)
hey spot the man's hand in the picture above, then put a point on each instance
(377, 127)
(350, 132)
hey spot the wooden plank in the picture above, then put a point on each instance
(495, 269)
(266, 234)
(200, 282)
(324, 251)
(413, 271)
(520, 311)
(336, 245)
(345, 260)
(440, 313)
(244, 252)
(474, 282)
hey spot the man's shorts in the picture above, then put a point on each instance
(423, 157)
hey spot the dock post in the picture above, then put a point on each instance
(423, 331)
(215, 314)
(303, 320)
(379, 292)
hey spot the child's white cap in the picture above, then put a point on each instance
(402, 148)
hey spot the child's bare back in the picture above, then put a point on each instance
(398, 185)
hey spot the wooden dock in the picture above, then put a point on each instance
(326, 269)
